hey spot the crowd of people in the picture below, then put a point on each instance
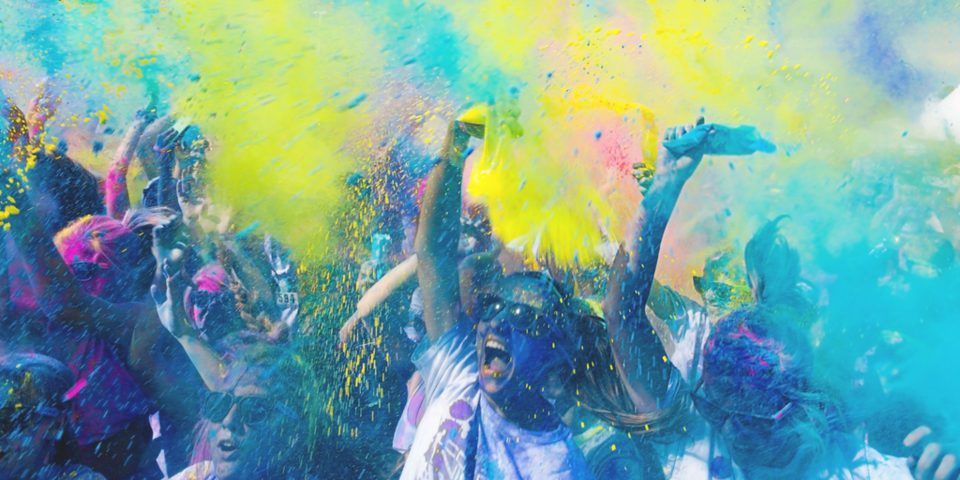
(148, 339)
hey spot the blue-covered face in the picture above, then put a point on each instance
(518, 339)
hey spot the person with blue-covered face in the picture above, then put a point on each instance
(483, 375)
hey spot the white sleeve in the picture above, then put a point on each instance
(451, 361)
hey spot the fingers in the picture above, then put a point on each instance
(158, 297)
(915, 436)
(927, 460)
(946, 469)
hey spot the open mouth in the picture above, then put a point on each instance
(227, 446)
(496, 357)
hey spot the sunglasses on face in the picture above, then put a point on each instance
(521, 317)
(717, 415)
(87, 271)
(203, 299)
(252, 410)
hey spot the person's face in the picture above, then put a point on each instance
(513, 335)
(211, 308)
(93, 270)
(755, 436)
(23, 444)
(243, 444)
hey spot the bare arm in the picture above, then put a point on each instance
(641, 359)
(438, 235)
(173, 316)
(115, 185)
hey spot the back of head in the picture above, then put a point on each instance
(34, 382)
(758, 362)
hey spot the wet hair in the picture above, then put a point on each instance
(754, 350)
(773, 272)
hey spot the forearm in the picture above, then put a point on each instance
(115, 186)
(208, 363)
(379, 292)
(641, 358)
(437, 237)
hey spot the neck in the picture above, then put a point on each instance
(525, 408)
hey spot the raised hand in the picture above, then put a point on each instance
(934, 462)
(671, 168)
(170, 307)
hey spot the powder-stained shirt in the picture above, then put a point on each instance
(450, 437)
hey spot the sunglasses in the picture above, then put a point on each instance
(203, 299)
(87, 271)
(717, 415)
(522, 317)
(252, 410)
(12, 418)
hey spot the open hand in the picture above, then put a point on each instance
(170, 305)
(933, 462)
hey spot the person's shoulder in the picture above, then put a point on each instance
(198, 471)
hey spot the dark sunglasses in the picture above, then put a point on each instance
(12, 419)
(717, 415)
(252, 410)
(203, 299)
(87, 271)
(520, 316)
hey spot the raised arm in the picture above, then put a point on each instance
(173, 316)
(438, 235)
(115, 185)
(59, 293)
(641, 359)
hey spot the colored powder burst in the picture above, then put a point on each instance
(280, 91)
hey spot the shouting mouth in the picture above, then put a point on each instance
(496, 357)
(227, 448)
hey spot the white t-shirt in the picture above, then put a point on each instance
(503, 451)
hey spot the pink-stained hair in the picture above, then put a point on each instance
(91, 236)
(212, 277)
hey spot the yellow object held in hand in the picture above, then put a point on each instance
(475, 120)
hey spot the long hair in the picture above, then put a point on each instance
(598, 387)
(771, 357)
(773, 272)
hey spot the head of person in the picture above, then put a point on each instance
(109, 259)
(33, 413)
(210, 303)
(758, 391)
(519, 334)
(723, 286)
(255, 420)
